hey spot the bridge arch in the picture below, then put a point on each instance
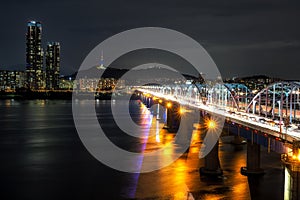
(178, 90)
(167, 90)
(193, 93)
(221, 96)
(240, 93)
(229, 95)
(277, 101)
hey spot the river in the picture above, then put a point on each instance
(42, 157)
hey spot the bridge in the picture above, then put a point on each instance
(269, 117)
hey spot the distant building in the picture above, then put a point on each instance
(88, 84)
(12, 80)
(254, 83)
(34, 56)
(106, 84)
(66, 83)
(52, 65)
(98, 85)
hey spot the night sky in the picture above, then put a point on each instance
(243, 37)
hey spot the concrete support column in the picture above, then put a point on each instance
(253, 160)
(173, 118)
(212, 163)
(185, 133)
(149, 102)
(292, 182)
(253, 156)
(237, 138)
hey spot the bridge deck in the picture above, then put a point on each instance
(247, 120)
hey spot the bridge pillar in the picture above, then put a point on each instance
(212, 165)
(173, 118)
(292, 182)
(145, 100)
(253, 160)
(185, 133)
(149, 102)
(237, 138)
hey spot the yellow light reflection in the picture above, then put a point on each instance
(7, 103)
(179, 179)
(157, 136)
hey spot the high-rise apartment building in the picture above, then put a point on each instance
(34, 56)
(52, 65)
(11, 80)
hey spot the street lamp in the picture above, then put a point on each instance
(211, 124)
(169, 105)
(182, 110)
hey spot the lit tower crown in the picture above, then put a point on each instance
(101, 66)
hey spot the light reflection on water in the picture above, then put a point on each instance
(40, 134)
(181, 180)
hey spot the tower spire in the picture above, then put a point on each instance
(101, 66)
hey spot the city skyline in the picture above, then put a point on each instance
(40, 74)
(258, 37)
(161, 99)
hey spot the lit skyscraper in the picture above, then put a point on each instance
(52, 65)
(34, 56)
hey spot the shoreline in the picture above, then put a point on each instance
(54, 95)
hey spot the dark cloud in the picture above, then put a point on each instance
(243, 37)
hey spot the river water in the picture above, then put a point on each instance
(42, 157)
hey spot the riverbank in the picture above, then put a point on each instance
(67, 95)
(53, 95)
(64, 95)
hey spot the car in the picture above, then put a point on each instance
(278, 123)
(245, 116)
(231, 112)
(270, 122)
(262, 120)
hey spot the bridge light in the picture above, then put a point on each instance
(169, 105)
(211, 124)
(160, 101)
(182, 111)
